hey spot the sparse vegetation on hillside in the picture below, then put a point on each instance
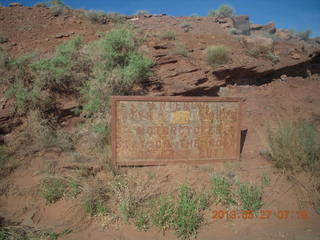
(96, 16)
(58, 8)
(250, 196)
(186, 26)
(304, 35)
(215, 55)
(168, 35)
(181, 50)
(3, 39)
(222, 11)
(141, 13)
(295, 146)
(222, 190)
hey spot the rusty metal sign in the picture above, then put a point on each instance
(163, 130)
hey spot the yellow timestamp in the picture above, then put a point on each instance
(261, 214)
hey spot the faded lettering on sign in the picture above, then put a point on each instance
(174, 131)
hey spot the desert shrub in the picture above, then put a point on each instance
(3, 39)
(195, 15)
(95, 202)
(38, 134)
(181, 50)
(273, 58)
(132, 194)
(222, 11)
(52, 189)
(4, 61)
(234, 31)
(221, 190)
(265, 180)
(18, 79)
(117, 66)
(142, 13)
(188, 219)
(168, 36)
(96, 16)
(186, 26)
(4, 156)
(163, 215)
(215, 55)
(41, 4)
(58, 72)
(58, 8)
(141, 222)
(295, 146)
(116, 17)
(250, 196)
(304, 35)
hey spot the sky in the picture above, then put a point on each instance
(289, 14)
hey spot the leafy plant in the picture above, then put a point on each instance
(168, 36)
(222, 11)
(96, 16)
(265, 180)
(58, 8)
(52, 189)
(181, 50)
(117, 66)
(304, 35)
(3, 39)
(186, 26)
(295, 145)
(96, 200)
(188, 218)
(142, 13)
(273, 58)
(250, 196)
(222, 190)
(164, 214)
(141, 222)
(216, 54)
(56, 72)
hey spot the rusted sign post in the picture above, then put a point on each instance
(164, 130)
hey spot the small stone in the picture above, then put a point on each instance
(283, 77)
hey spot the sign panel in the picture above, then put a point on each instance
(163, 130)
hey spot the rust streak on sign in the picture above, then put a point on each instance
(163, 130)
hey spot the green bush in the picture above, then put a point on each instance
(52, 189)
(295, 146)
(273, 58)
(58, 8)
(168, 36)
(4, 157)
(250, 196)
(222, 190)
(222, 11)
(164, 214)
(3, 39)
(117, 66)
(57, 72)
(181, 50)
(188, 218)
(215, 55)
(304, 35)
(116, 17)
(96, 16)
(186, 26)
(142, 13)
